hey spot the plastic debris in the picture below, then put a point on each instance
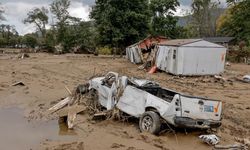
(153, 70)
(210, 139)
(246, 78)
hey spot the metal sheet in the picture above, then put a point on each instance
(132, 54)
(196, 108)
(132, 101)
(202, 61)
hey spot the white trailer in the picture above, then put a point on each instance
(190, 57)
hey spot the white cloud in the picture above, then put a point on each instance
(77, 9)
(16, 12)
(183, 10)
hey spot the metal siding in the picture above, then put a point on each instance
(164, 59)
(180, 57)
(203, 61)
(133, 54)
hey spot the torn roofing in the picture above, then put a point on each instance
(180, 42)
(158, 39)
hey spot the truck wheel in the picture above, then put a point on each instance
(150, 122)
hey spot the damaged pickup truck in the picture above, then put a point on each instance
(154, 105)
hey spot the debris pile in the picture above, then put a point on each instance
(23, 56)
(69, 106)
(113, 96)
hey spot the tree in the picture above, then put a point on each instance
(38, 16)
(8, 34)
(121, 23)
(163, 20)
(204, 16)
(60, 10)
(3, 42)
(30, 40)
(236, 21)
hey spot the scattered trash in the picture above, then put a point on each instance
(243, 141)
(231, 147)
(210, 139)
(246, 78)
(23, 55)
(220, 78)
(20, 83)
(228, 64)
(58, 49)
(153, 70)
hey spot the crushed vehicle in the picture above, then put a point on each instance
(154, 105)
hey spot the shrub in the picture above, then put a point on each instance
(104, 50)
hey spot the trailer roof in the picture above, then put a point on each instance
(179, 42)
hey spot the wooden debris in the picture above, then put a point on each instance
(71, 117)
(68, 90)
(243, 141)
(60, 105)
(77, 108)
(20, 83)
(100, 114)
(23, 55)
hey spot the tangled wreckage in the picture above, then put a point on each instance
(152, 104)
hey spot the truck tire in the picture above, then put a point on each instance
(150, 122)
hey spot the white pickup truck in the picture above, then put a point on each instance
(153, 104)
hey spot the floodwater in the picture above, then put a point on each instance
(16, 133)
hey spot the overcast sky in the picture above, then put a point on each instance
(16, 11)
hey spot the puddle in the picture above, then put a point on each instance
(16, 133)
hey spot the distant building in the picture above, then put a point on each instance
(143, 47)
(225, 41)
(184, 57)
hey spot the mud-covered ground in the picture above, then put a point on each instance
(45, 77)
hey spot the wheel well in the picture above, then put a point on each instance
(152, 109)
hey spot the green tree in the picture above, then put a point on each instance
(50, 40)
(3, 42)
(60, 10)
(121, 23)
(30, 40)
(9, 34)
(204, 16)
(163, 20)
(38, 16)
(236, 21)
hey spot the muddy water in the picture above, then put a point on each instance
(16, 133)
